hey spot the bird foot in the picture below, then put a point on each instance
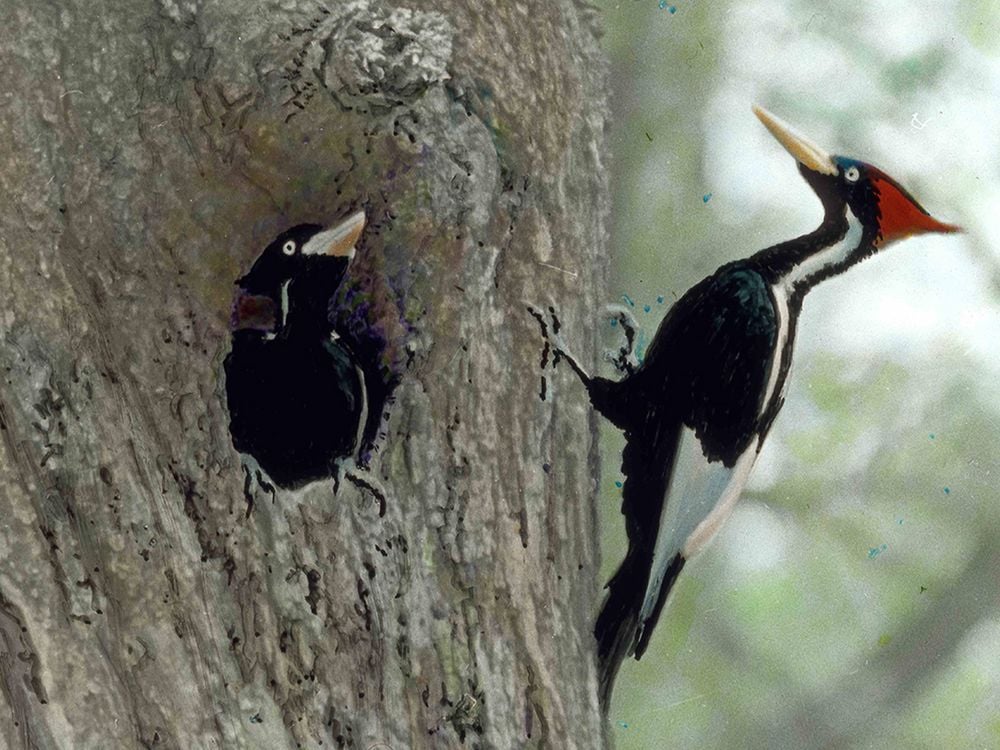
(340, 468)
(554, 344)
(624, 359)
(253, 474)
(362, 478)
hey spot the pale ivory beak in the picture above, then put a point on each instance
(805, 151)
(337, 241)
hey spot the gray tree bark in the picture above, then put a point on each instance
(149, 151)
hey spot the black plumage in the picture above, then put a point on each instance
(706, 369)
(295, 390)
(696, 411)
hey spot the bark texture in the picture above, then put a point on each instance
(149, 151)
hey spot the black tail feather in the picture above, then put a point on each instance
(646, 631)
(618, 631)
(617, 626)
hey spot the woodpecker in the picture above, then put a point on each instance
(696, 411)
(295, 390)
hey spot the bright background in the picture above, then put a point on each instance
(853, 599)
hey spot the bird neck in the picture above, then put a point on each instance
(306, 308)
(798, 265)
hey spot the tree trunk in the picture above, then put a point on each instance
(150, 151)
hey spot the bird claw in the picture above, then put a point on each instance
(554, 343)
(347, 468)
(341, 467)
(624, 360)
(253, 473)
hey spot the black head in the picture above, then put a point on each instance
(884, 206)
(303, 250)
(306, 263)
(886, 210)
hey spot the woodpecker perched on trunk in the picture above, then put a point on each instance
(696, 411)
(295, 391)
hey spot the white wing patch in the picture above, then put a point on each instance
(700, 497)
(703, 493)
(710, 524)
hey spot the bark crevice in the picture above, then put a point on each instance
(152, 595)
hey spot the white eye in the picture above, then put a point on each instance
(852, 174)
(288, 248)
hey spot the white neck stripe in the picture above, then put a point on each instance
(284, 302)
(831, 256)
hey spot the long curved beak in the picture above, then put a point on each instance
(338, 241)
(807, 153)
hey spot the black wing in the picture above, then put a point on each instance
(706, 371)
